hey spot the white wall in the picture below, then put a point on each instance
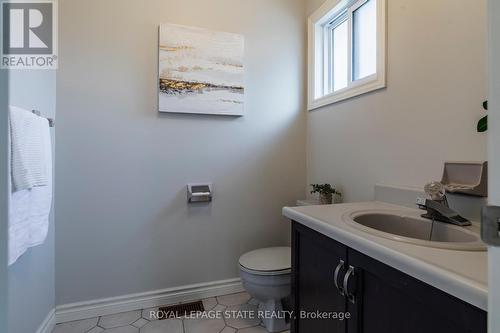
(32, 276)
(123, 225)
(428, 113)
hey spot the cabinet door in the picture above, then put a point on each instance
(315, 258)
(389, 301)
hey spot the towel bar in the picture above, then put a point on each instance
(51, 121)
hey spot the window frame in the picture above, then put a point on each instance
(320, 26)
(328, 58)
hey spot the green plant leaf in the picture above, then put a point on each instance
(323, 189)
(482, 125)
(485, 105)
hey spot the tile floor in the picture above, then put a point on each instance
(140, 321)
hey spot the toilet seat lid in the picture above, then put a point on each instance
(269, 259)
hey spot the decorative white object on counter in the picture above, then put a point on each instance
(466, 178)
(200, 71)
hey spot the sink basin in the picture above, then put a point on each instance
(405, 226)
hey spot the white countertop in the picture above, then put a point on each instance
(462, 274)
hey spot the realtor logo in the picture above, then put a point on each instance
(29, 39)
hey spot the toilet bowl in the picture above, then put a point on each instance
(266, 274)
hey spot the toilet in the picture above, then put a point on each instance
(266, 275)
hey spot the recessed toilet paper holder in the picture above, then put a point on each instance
(199, 192)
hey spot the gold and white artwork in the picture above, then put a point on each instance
(200, 71)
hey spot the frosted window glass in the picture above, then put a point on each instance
(340, 56)
(365, 40)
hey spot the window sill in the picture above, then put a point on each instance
(363, 87)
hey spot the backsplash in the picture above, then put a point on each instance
(467, 206)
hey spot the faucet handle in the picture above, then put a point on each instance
(421, 203)
(435, 190)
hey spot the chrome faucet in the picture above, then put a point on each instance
(437, 207)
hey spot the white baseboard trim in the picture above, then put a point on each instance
(106, 306)
(48, 323)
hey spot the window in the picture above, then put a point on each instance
(346, 50)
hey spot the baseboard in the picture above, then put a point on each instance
(48, 324)
(106, 306)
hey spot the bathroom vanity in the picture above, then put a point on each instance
(384, 284)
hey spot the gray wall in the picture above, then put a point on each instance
(401, 135)
(123, 225)
(32, 276)
(4, 193)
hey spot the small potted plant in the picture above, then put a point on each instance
(326, 193)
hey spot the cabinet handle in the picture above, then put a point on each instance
(350, 296)
(336, 277)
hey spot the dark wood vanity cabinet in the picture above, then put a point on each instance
(314, 291)
(378, 298)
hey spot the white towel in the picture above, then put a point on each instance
(27, 152)
(30, 208)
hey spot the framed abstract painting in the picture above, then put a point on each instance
(200, 71)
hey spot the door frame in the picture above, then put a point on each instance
(494, 157)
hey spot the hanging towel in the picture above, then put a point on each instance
(27, 152)
(29, 209)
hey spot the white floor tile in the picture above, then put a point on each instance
(119, 319)
(256, 329)
(219, 307)
(209, 303)
(203, 325)
(140, 322)
(242, 316)
(233, 299)
(123, 329)
(163, 326)
(146, 313)
(150, 313)
(228, 329)
(78, 326)
(96, 330)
